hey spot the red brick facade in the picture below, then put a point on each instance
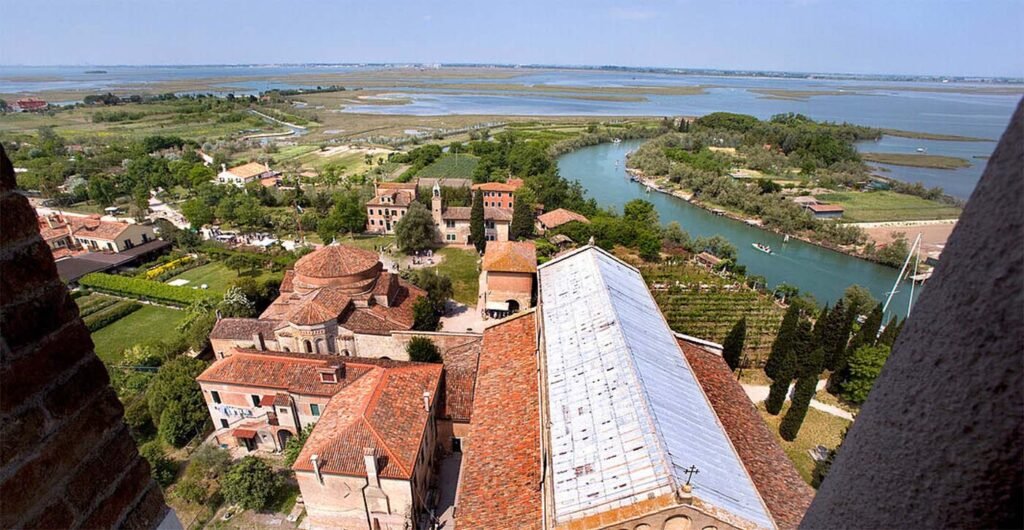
(67, 459)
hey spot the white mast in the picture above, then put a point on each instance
(903, 270)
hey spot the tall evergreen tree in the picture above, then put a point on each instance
(782, 340)
(888, 336)
(836, 333)
(789, 366)
(866, 336)
(732, 347)
(820, 324)
(522, 219)
(810, 358)
(477, 236)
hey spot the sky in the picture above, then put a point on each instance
(940, 37)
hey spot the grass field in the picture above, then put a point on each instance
(451, 166)
(461, 266)
(878, 206)
(367, 242)
(215, 275)
(148, 323)
(913, 160)
(933, 136)
(818, 428)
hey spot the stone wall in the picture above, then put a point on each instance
(67, 459)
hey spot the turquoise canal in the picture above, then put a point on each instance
(815, 270)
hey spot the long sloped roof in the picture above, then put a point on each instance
(627, 415)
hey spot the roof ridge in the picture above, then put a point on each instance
(372, 402)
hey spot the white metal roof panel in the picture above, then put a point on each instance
(627, 415)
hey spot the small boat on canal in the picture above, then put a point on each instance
(763, 248)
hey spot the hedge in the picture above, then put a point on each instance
(155, 272)
(102, 319)
(143, 289)
(95, 305)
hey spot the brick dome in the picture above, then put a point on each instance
(353, 269)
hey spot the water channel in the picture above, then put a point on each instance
(821, 272)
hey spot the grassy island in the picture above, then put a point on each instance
(916, 160)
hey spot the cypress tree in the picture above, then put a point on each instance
(810, 359)
(820, 324)
(788, 366)
(782, 341)
(732, 347)
(522, 219)
(836, 333)
(866, 336)
(476, 222)
(888, 336)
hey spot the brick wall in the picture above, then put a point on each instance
(67, 460)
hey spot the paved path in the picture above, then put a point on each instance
(758, 393)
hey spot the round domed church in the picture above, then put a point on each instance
(336, 300)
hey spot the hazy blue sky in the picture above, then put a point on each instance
(972, 37)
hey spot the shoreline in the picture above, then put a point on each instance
(749, 221)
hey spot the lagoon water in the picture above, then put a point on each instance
(888, 104)
(815, 270)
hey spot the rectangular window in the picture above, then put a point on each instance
(489, 224)
(255, 400)
(216, 396)
(223, 423)
(449, 223)
(371, 222)
(314, 409)
(449, 237)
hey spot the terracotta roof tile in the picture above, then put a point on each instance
(93, 228)
(384, 411)
(400, 198)
(501, 467)
(249, 170)
(463, 213)
(292, 372)
(559, 217)
(335, 261)
(242, 328)
(460, 367)
(784, 492)
(396, 186)
(510, 186)
(510, 256)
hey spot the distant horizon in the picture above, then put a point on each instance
(584, 66)
(958, 38)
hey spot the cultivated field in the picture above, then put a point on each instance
(877, 206)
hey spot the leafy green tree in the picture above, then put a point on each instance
(176, 401)
(717, 245)
(649, 245)
(416, 230)
(197, 212)
(864, 366)
(424, 316)
(732, 347)
(858, 300)
(294, 445)
(160, 466)
(250, 483)
(102, 190)
(477, 236)
(674, 234)
(640, 212)
(237, 262)
(423, 350)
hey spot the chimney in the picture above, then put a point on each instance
(370, 459)
(257, 341)
(426, 401)
(314, 459)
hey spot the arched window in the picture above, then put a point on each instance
(320, 345)
(287, 349)
(308, 345)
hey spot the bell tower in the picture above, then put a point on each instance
(435, 203)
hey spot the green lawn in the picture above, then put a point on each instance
(215, 275)
(461, 266)
(818, 428)
(450, 166)
(368, 242)
(148, 323)
(878, 206)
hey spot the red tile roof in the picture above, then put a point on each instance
(399, 198)
(384, 411)
(325, 305)
(334, 261)
(295, 373)
(559, 217)
(249, 170)
(93, 228)
(397, 186)
(463, 213)
(242, 328)
(501, 467)
(785, 494)
(510, 256)
(460, 367)
(243, 433)
(511, 186)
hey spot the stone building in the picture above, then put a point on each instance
(453, 222)
(499, 194)
(390, 203)
(336, 300)
(68, 234)
(556, 218)
(507, 277)
(244, 174)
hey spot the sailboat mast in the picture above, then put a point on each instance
(903, 270)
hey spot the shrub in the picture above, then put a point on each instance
(155, 272)
(865, 365)
(294, 445)
(210, 461)
(109, 315)
(175, 398)
(191, 490)
(250, 484)
(422, 349)
(142, 289)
